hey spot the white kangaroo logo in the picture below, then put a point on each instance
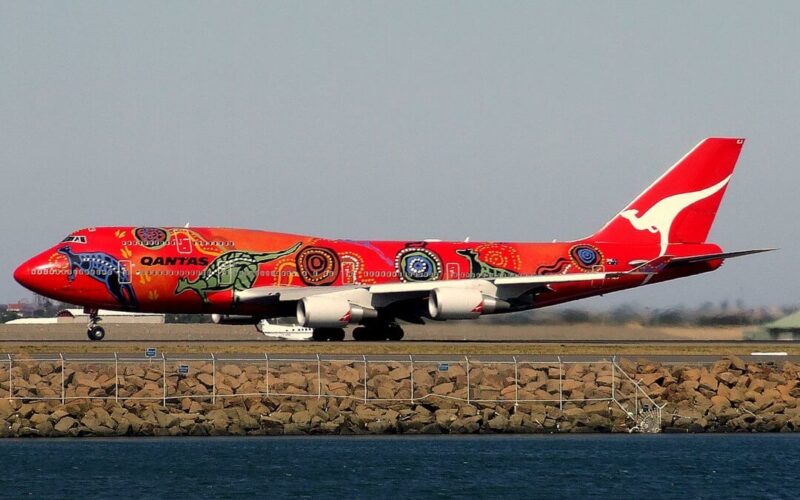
(660, 217)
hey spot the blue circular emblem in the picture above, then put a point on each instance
(585, 256)
(418, 264)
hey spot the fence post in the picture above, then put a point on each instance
(468, 382)
(516, 383)
(10, 377)
(411, 358)
(613, 378)
(116, 377)
(560, 382)
(63, 394)
(213, 379)
(266, 362)
(164, 377)
(659, 417)
(365, 377)
(319, 378)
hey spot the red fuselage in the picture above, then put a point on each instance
(197, 270)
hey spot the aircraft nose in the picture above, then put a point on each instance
(28, 274)
(23, 274)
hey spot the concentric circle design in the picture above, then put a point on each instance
(418, 264)
(151, 237)
(318, 266)
(585, 256)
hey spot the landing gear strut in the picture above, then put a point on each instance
(94, 331)
(373, 332)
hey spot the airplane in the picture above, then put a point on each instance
(253, 276)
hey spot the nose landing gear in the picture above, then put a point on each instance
(94, 331)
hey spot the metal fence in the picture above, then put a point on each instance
(414, 379)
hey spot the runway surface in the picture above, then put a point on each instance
(442, 339)
(434, 331)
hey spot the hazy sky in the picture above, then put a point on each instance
(495, 120)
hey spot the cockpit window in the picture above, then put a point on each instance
(74, 239)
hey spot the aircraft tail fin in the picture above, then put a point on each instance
(680, 206)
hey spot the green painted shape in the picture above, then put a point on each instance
(236, 269)
(480, 269)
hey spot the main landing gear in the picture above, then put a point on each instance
(94, 331)
(369, 332)
(373, 332)
(328, 334)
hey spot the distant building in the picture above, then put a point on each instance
(786, 328)
(68, 316)
(78, 316)
(24, 309)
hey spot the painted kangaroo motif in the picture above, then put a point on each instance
(480, 269)
(235, 269)
(659, 218)
(103, 268)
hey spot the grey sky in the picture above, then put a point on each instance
(496, 120)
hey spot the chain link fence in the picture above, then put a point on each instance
(170, 380)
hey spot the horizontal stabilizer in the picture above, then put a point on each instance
(715, 256)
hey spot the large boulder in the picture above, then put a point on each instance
(400, 373)
(349, 375)
(65, 424)
(709, 381)
(86, 379)
(443, 389)
(231, 370)
(206, 379)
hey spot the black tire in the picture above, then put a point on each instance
(360, 334)
(96, 333)
(394, 332)
(328, 334)
(378, 332)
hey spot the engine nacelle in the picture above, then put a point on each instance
(461, 303)
(329, 312)
(232, 319)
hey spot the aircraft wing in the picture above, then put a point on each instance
(405, 290)
(384, 294)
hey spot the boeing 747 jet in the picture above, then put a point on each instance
(241, 275)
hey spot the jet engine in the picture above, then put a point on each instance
(460, 303)
(232, 319)
(329, 312)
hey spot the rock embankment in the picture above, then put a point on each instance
(255, 398)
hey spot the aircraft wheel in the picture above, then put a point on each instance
(360, 334)
(394, 332)
(328, 334)
(367, 334)
(96, 333)
(376, 333)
